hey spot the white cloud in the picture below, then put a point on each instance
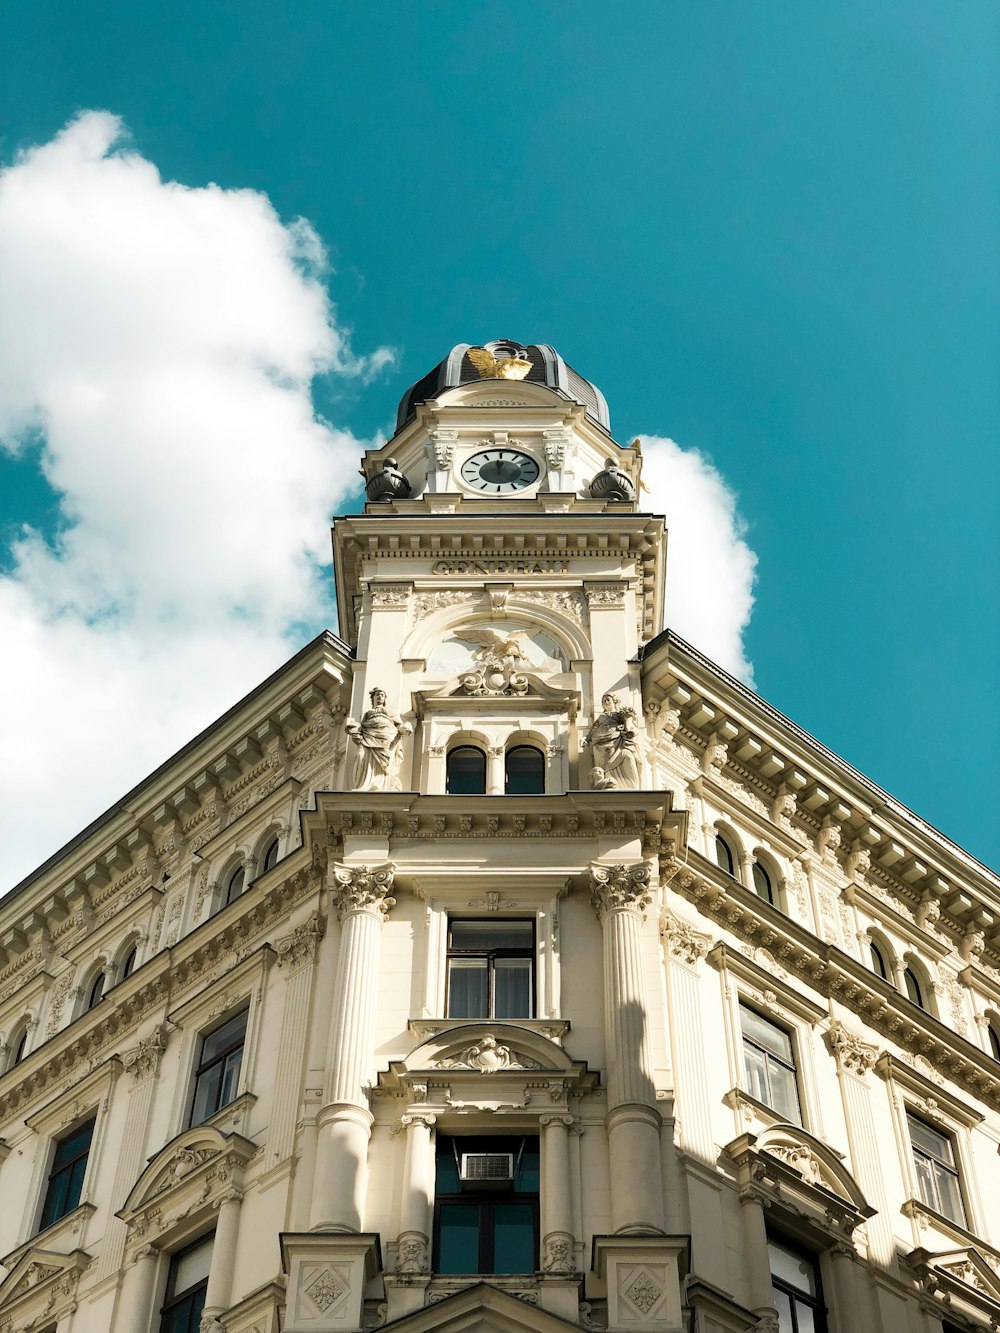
(163, 340)
(710, 568)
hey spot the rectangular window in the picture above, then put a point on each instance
(795, 1285)
(69, 1166)
(486, 1205)
(769, 1063)
(187, 1283)
(491, 969)
(937, 1174)
(218, 1074)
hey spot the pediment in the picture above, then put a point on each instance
(44, 1275)
(187, 1158)
(967, 1268)
(785, 1162)
(482, 1309)
(816, 1162)
(480, 1056)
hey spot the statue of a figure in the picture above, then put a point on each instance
(614, 738)
(377, 737)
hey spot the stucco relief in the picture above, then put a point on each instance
(489, 1057)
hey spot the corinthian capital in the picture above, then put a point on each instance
(362, 888)
(853, 1054)
(621, 885)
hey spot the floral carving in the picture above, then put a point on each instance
(143, 1059)
(620, 886)
(412, 1255)
(301, 945)
(683, 941)
(324, 1290)
(558, 1256)
(643, 1293)
(859, 861)
(363, 888)
(828, 840)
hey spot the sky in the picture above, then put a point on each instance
(231, 235)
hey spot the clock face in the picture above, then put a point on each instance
(499, 471)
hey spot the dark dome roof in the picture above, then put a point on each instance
(547, 367)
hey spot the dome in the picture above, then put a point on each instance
(546, 367)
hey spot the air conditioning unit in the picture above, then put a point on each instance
(487, 1170)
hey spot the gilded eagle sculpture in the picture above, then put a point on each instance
(507, 368)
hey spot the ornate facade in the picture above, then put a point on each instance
(501, 962)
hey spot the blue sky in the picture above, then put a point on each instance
(767, 231)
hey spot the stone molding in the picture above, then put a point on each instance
(853, 1055)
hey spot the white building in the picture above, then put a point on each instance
(501, 963)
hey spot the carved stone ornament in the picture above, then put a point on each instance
(800, 1159)
(853, 1054)
(558, 1254)
(389, 484)
(443, 445)
(143, 1059)
(828, 840)
(489, 1057)
(683, 942)
(301, 945)
(362, 888)
(642, 1291)
(378, 737)
(390, 595)
(859, 861)
(615, 739)
(620, 886)
(412, 1253)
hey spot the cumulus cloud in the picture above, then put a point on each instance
(161, 341)
(710, 567)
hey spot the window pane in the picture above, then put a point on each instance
(128, 965)
(527, 1171)
(783, 1305)
(762, 882)
(928, 1139)
(878, 962)
(491, 935)
(190, 1267)
(235, 885)
(271, 855)
(784, 1094)
(723, 855)
(805, 1318)
(468, 992)
(913, 988)
(458, 1238)
(230, 1077)
(765, 1034)
(525, 771)
(231, 1032)
(796, 1269)
(755, 1064)
(513, 1238)
(206, 1094)
(73, 1145)
(466, 772)
(512, 988)
(949, 1196)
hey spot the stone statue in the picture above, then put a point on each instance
(377, 737)
(614, 738)
(599, 780)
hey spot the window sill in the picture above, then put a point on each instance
(749, 1108)
(70, 1224)
(231, 1118)
(925, 1216)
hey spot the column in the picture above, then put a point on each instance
(620, 894)
(361, 896)
(558, 1240)
(414, 1243)
(218, 1295)
(296, 957)
(133, 1310)
(758, 1262)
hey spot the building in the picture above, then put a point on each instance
(500, 962)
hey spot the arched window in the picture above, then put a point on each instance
(878, 961)
(724, 855)
(20, 1045)
(993, 1030)
(913, 990)
(270, 856)
(762, 883)
(96, 991)
(524, 771)
(235, 886)
(466, 771)
(128, 966)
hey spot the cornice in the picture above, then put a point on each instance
(907, 855)
(833, 973)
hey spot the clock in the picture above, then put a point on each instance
(500, 471)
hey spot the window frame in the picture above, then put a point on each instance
(791, 1065)
(938, 1167)
(534, 749)
(173, 1301)
(239, 872)
(485, 1200)
(203, 1067)
(757, 867)
(267, 862)
(491, 955)
(55, 1172)
(796, 1295)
